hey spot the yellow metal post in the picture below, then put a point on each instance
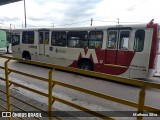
(141, 103)
(7, 87)
(50, 86)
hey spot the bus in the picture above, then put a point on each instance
(3, 41)
(125, 50)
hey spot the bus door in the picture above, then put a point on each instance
(43, 42)
(118, 56)
(111, 52)
(124, 53)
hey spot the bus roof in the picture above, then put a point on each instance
(81, 28)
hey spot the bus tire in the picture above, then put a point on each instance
(26, 56)
(85, 65)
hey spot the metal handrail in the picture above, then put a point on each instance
(51, 83)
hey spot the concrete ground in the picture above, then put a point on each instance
(26, 108)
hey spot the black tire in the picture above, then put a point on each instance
(86, 66)
(27, 57)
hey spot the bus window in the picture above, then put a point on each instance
(77, 39)
(124, 40)
(112, 39)
(28, 37)
(58, 38)
(46, 38)
(15, 40)
(95, 39)
(40, 37)
(139, 40)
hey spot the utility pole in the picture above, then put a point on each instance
(91, 21)
(52, 24)
(118, 21)
(25, 13)
(22, 24)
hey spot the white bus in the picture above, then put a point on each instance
(125, 50)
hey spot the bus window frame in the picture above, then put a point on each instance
(24, 40)
(97, 39)
(135, 40)
(77, 38)
(119, 39)
(17, 43)
(59, 38)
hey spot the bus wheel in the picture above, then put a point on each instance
(86, 66)
(27, 57)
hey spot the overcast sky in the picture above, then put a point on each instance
(79, 12)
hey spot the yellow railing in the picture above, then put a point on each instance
(140, 106)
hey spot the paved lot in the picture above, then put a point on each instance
(21, 105)
(26, 108)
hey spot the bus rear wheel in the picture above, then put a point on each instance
(26, 56)
(86, 66)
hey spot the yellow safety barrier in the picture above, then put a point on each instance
(140, 106)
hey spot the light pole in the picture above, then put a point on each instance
(52, 24)
(25, 14)
(91, 21)
(118, 21)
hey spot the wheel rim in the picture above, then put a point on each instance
(28, 58)
(85, 67)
